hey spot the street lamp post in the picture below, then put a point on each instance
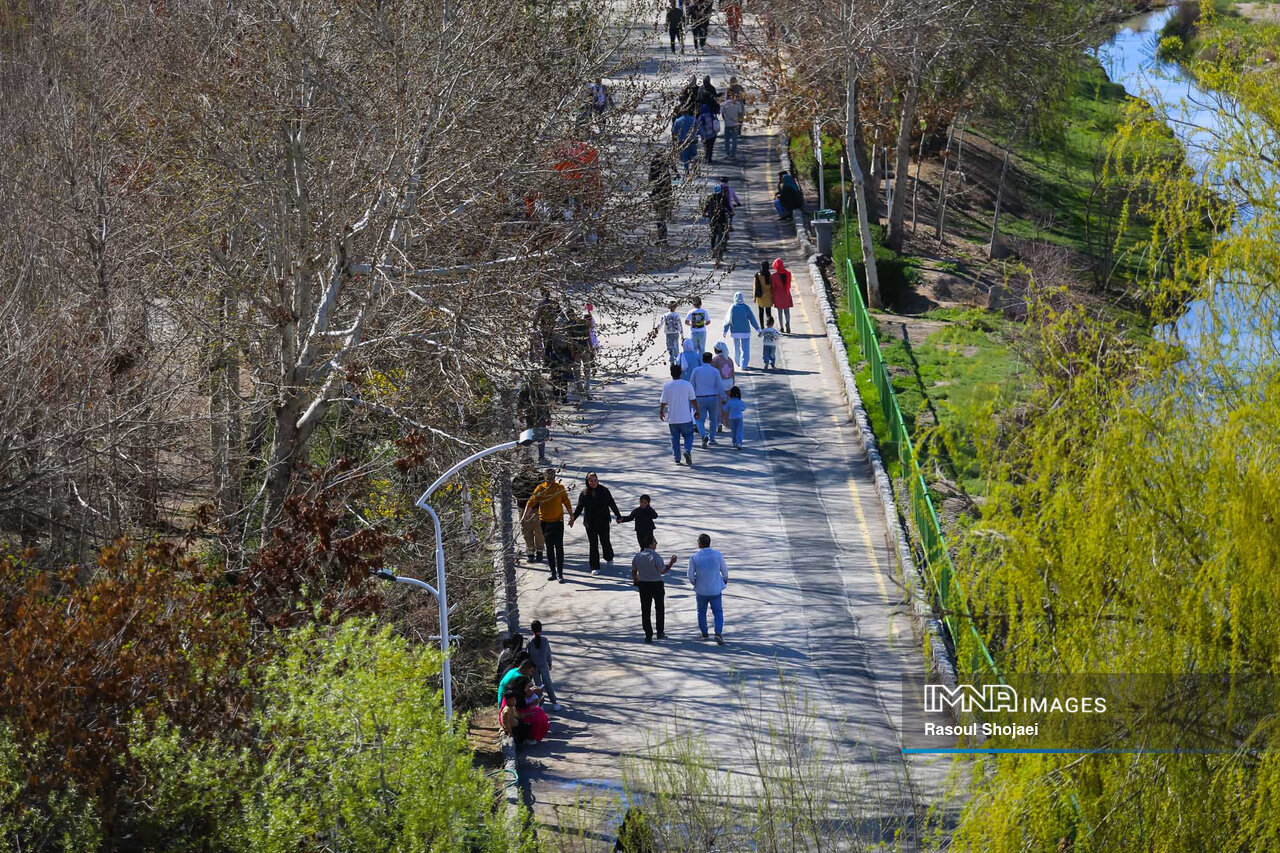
(528, 437)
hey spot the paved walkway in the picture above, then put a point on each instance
(813, 594)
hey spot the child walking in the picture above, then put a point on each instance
(671, 325)
(643, 516)
(737, 409)
(540, 654)
(770, 337)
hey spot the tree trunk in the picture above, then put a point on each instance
(993, 250)
(942, 190)
(856, 174)
(915, 186)
(902, 166)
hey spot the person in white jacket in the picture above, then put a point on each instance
(709, 575)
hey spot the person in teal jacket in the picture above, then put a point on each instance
(738, 323)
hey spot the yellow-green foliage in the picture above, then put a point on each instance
(1131, 525)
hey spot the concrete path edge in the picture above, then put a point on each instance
(928, 626)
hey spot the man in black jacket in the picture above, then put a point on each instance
(594, 505)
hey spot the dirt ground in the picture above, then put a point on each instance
(1263, 13)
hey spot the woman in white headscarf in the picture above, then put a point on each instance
(725, 365)
(739, 320)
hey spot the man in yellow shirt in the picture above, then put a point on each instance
(551, 500)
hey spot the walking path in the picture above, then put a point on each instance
(813, 593)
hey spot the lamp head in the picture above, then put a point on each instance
(383, 574)
(533, 436)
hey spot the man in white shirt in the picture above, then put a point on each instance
(678, 407)
(708, 386)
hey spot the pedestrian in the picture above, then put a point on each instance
(708, 130)
(661, 195)
(684, 135)
(675, 25)
(700, 19)
(690, 358)
(709, 95)
(737, 412)
(594, 504)
(780, 281)
(709, 388)
(535, 401)
(731, 196)
(769, 349)
(738, 323)
(698, 320)
(709, 575)
(764, 293)
(678, 407)
(523, 666)
(788, 198)
(511, 648)
(732, 113)
(540, 655)
(735, 89)
(670, 323)
(725, 365)
(550, 500)
(523, 485)
(645, 518)
(519, 713)
(601, 97)
(732, 18)
(647, 570)
(687, 100)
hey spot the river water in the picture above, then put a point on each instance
(1229, 334)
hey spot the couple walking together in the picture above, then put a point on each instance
(708, 573)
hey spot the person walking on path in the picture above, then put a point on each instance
(732, 196)
(698, 320)
(764, 293)
(594, 505)
(684, 135)
(732, 18)
(523, 486)
(718, 212)
(690, 358)
(737, 413)
(769, 351)
(780, 281)
(647, 570)
(709, 388)
(645, 518)
(725, 365)
(661, 194)
(708, 130)
(700, 20)
(671, 325)
(678, 407)
(709, 575)
(550, 500)
(540, 654)
(738, 323)
(675, 25)
(732, 111)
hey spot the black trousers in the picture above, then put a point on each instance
(597, 539)
(652, 593)
(700, 34)
(643, 535)
(764, 312)
(553, 535)
(676, 35)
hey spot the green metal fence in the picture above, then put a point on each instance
(939, 569)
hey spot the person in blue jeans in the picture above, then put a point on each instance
(679, 407)
(709, 576)
(698, 320)
(708, 385)
(738, 323)
(737, 409)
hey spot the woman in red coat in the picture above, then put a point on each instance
(781, 283)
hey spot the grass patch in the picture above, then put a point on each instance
(946, 385)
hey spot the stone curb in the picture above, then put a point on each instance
(928, 626)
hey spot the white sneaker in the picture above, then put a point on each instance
(595, 571)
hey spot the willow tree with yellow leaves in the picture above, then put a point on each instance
(1132, 520)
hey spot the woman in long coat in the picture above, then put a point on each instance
(780, 283)
(764, 292)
